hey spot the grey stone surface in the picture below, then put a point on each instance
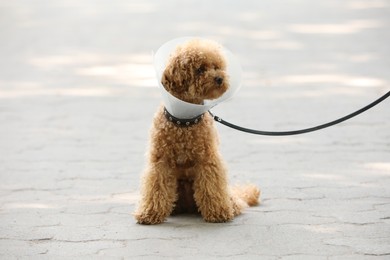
(78, 93)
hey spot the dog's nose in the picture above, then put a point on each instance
(219, 80)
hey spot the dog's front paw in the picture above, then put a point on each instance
(219, 216)
(149, 218)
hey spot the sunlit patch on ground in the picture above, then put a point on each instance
(381, 166)
(349, 27)
(368, 4)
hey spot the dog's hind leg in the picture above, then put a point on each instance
(158, 194)
(185, 202)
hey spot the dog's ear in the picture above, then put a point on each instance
(174, 78)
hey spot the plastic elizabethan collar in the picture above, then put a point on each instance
(185, 110)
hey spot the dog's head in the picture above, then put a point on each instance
(196, 72)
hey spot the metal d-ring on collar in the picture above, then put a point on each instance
(182, 122)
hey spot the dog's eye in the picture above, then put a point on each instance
(200, 70)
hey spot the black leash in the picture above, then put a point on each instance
(302, 131)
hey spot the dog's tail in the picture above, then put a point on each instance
(244, 196)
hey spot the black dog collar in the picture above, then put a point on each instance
(182, 122)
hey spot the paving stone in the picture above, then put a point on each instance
(78, 94)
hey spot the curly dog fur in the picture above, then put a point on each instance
(185, 171)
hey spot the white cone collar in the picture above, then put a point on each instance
(185, 110)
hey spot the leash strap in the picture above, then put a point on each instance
(302, 131)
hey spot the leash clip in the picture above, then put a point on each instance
(216, 118)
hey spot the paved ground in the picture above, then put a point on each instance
(77, 95)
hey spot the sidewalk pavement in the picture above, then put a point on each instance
(78, 93)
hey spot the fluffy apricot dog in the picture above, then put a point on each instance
(185, 172)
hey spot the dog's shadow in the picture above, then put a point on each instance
(194, 220)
